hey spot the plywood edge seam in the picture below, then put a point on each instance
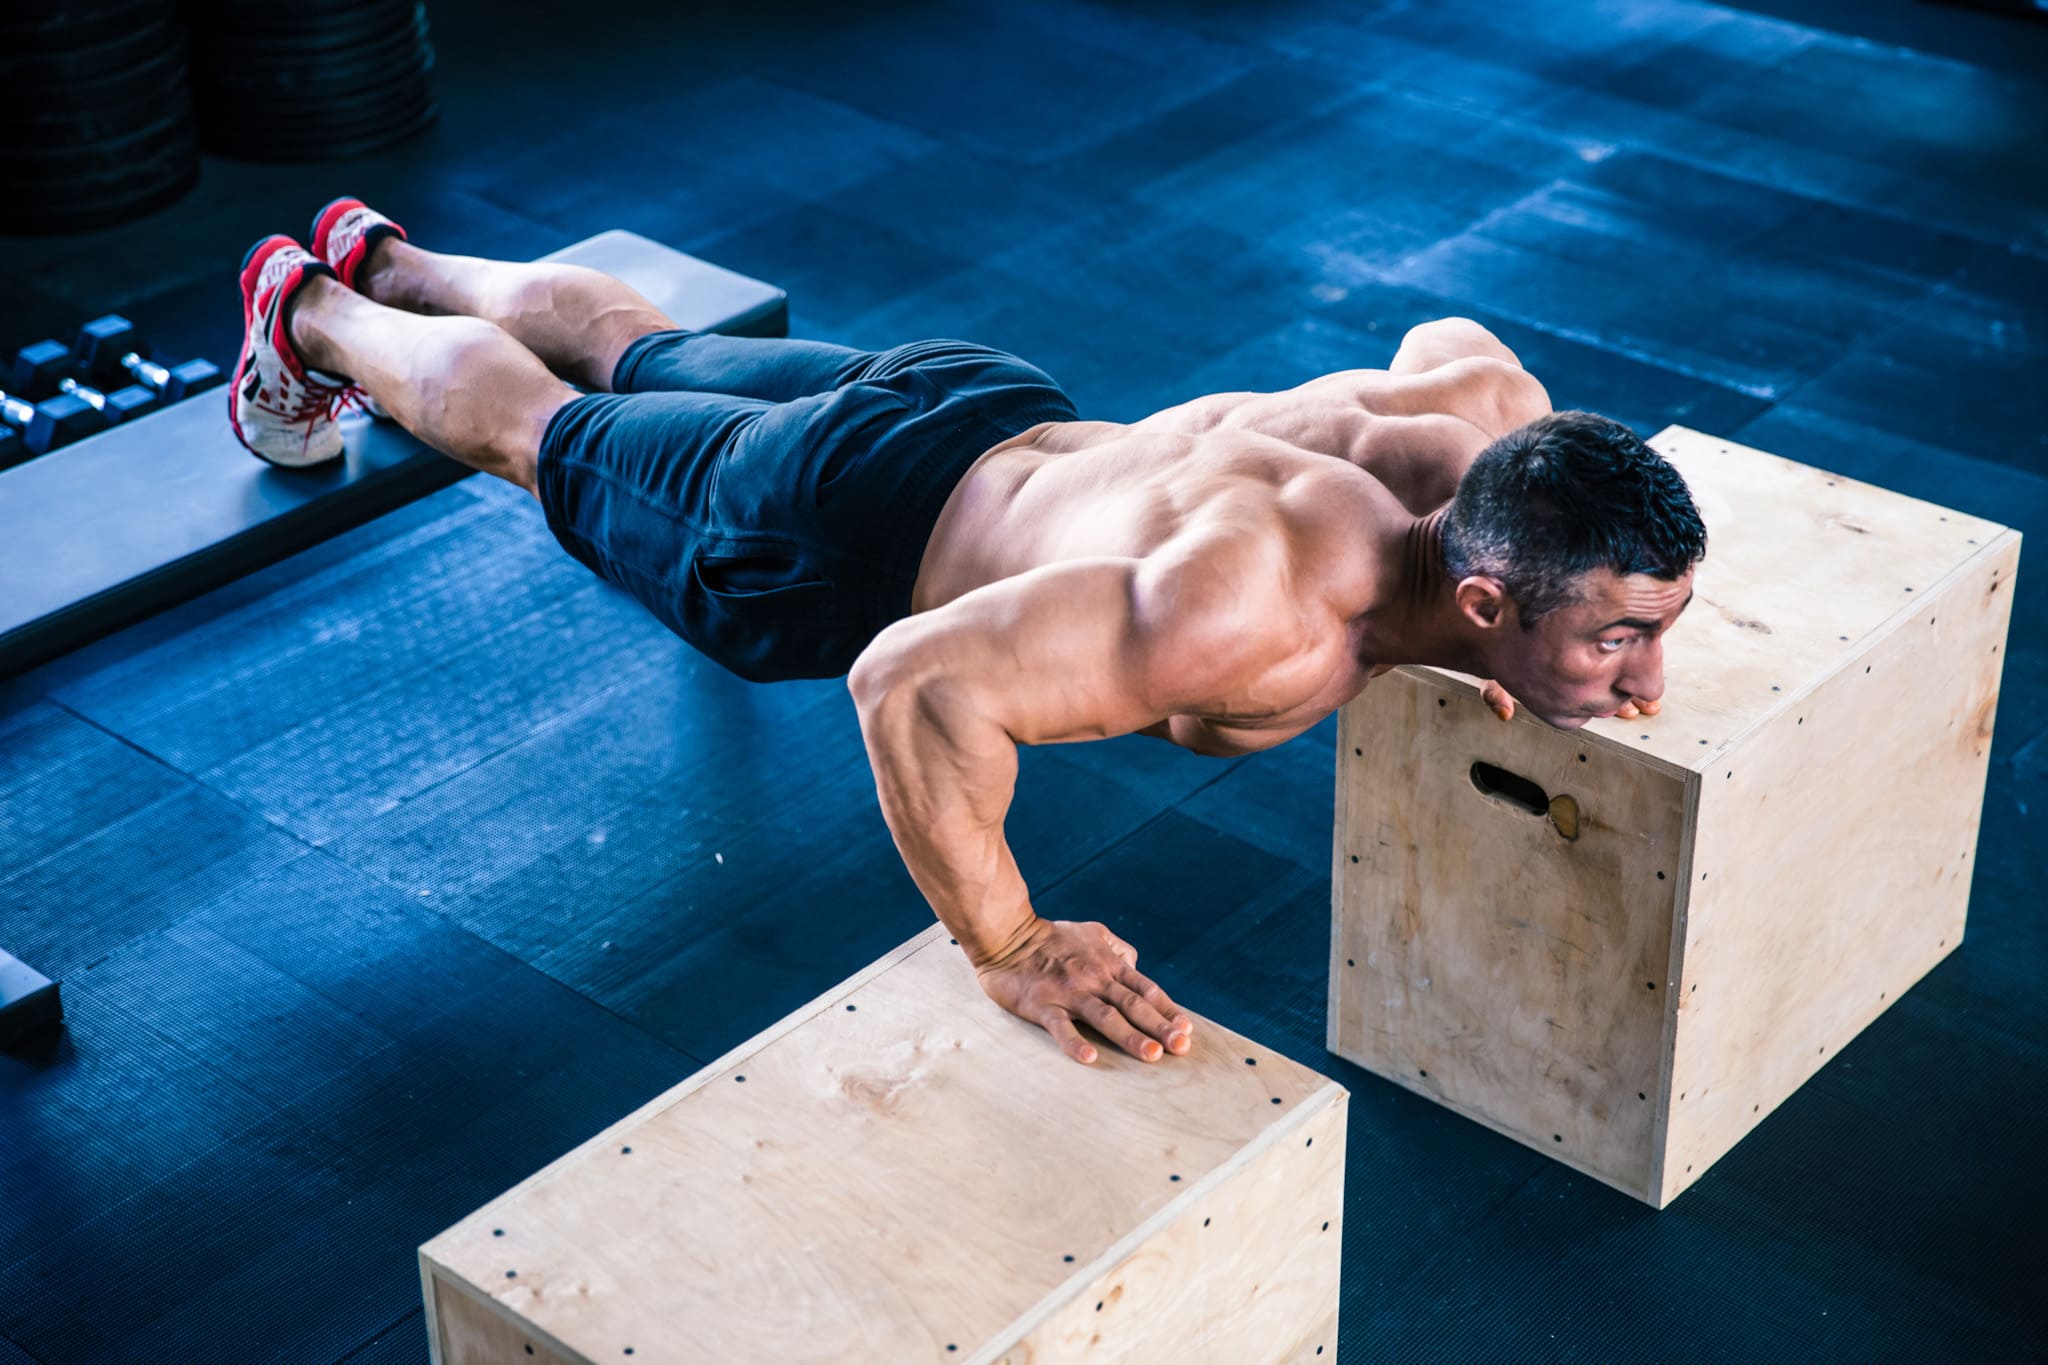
(432, 1310)
(704, 1075)
(1883, 632)
(448, 1282)
(1332, 1006)
(1312, 1106)
(1674, 972)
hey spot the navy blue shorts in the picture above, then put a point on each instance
(770, 499)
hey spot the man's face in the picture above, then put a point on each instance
(1587, 659)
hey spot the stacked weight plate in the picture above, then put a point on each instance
(96, 121)
(309, 80)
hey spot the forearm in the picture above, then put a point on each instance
(945, 776)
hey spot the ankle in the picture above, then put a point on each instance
(302, 313)
(374, 272)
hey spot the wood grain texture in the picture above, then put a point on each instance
(1756, 873)
(1246, 1272)
(917, 1173)
(1833, 862)
(1483, 959)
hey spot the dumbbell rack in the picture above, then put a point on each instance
(102, 533)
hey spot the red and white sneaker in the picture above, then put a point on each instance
(282, 411)
(344, 230)
(343, 233)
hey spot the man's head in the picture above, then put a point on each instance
(1571, 546)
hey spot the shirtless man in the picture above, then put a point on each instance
(988, 571)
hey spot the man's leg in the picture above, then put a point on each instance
(463, 385)
(577, 320)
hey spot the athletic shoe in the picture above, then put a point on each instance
(283, 412)
(343, 232)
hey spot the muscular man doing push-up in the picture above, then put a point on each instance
(936, 523)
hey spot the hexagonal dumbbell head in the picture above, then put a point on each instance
(53, 422)
(194, 376)
(37, 368)
(102, 343)
(111, 351)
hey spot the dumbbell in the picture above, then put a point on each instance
(39, 372)
(51, 423)
(118, 406)
(111, 349)
(12, 451)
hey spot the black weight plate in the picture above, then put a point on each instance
(334, 143)
(288, 88)
(163, 80)
(320, 118)
(29, 25)
(52, 215)
(363, 91)
(68, 124)
(96, 191)
(82, 127)
(241, 61)
(261, 16)
(351, 69)
(294, 27)
(107, 86)
(93, 170)
(314, 127)
(31, 161)
(25, 66)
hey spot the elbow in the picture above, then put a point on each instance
(870, 678)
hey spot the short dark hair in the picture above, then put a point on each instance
(1566, 494)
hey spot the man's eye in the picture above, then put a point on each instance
(1609, 646)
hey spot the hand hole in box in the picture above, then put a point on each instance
(1510, 789)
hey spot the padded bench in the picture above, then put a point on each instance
(98, 535)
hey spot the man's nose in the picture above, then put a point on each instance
(1644, 679)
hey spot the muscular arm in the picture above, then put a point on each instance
(1078, 650)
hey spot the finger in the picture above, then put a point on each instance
(1626, 711)
(1178, 1021)
(1112, 1025)
(1649, 708)
(1067, 1036)
(1140, 1012)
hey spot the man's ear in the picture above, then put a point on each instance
(1484, 602)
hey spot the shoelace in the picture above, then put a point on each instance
(317, 403)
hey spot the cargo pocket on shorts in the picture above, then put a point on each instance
(765, 583)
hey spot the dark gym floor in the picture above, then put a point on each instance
(382, 877)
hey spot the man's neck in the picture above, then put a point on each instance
(1415, 619)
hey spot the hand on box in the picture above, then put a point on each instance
(1061, 971)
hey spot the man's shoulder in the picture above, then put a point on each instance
(1493, 394)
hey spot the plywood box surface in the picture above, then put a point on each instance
(901, 1172)
(1626, 945)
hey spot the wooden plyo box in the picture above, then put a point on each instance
(901, 1172)
(1632, 959)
